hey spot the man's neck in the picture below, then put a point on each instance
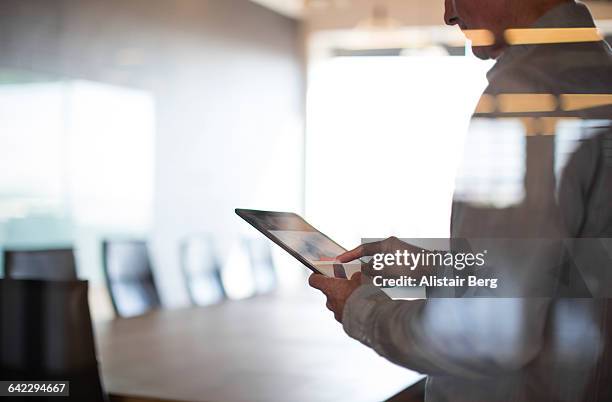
(531, 13)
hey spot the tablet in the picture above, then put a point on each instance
(300, 239)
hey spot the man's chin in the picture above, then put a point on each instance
(487, 52)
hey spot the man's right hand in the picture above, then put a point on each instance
(387, 246)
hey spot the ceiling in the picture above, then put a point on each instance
(326, 14)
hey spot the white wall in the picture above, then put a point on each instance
(227, 80)
(229, 136)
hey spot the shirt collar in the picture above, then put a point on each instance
(566, 15)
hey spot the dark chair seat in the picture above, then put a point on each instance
(47, 335)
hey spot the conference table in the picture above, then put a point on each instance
(267, 348)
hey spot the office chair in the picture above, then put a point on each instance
(47, 335)
(262, 264)
(599, 388)
(129, 277)
(51, 265)
(202, 271)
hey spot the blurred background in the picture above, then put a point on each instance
(146, 122)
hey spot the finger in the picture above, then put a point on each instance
(351, 255)
(356, 277)
(316, 280)
(389, 245)
(365, 250)
(321, 282)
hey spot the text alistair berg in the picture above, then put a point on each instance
(430, 259)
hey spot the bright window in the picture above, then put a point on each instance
(385, 136)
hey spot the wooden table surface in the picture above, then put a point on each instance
(269, 348)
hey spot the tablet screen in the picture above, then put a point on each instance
(311, 247)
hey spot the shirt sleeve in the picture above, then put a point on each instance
(469, 338)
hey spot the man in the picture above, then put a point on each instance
(539, 349)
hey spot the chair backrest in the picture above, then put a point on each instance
(202, 271)
(47, 334)
(129, 277)
(52, 265)
(599, 388)
(262, 264)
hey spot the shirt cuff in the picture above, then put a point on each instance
(359, 310)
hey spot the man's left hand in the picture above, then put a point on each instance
(336, 290)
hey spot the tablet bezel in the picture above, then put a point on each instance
(246, 215)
